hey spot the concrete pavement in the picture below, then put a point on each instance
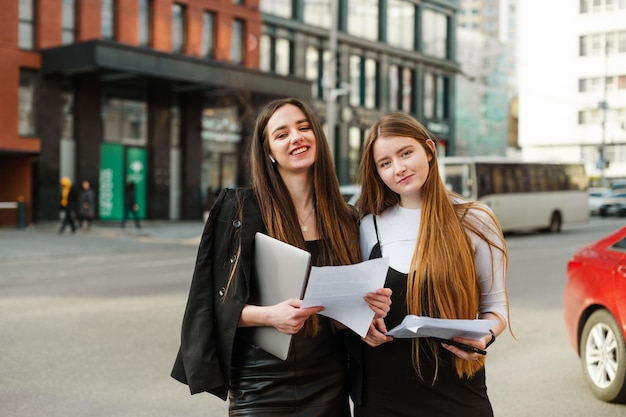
(43, 240)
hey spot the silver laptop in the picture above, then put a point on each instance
(281, 272)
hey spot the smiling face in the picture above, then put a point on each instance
(403, 164)
(291, 140)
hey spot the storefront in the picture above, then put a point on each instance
(176, 126)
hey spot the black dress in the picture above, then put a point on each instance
(390, 385)
(311, 382)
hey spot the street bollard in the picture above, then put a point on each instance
(21, 213)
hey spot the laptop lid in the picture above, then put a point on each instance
(280, 273)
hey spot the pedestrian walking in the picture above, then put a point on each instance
(67, 204)
(86, 205)
(130, 204)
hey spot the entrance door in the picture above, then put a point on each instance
(119, 164)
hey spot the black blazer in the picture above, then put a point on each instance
(211, 317)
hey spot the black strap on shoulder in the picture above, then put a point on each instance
(376, 252)
(376, 229)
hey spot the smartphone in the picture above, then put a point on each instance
(465, 347)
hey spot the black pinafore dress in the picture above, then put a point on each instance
(390, 385)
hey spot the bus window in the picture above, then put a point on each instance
(533, 178)
(454, 178)
(522, 180)
(511, 181)
(498, 181)
(484, 179)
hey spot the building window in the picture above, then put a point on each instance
(354, 152)
(363, 82)
(26, 31)
(238, 2)
(221, 132)
(394, 88)
(363, 19)
(356, 81)
(434, 33)
(583, 6)
(582, 85)
(621, 41)
(179, 27)
(145, 22)
(26, 105)
(277, 46)
(597, 6)
(406, 87)
(237, 45)
(582, 46)
(282, 8)
(596, 45)
(370, 99)
(266, 53)
(429, 95)
(401, 24)
(125, 121)
(441, 103)
(401, 89)
(68, 34)
(609, 42)
(595, 84)
(313, 71)
(621, 82)
(108, 21)
(283, 56)
(317, 13)
(208, 35)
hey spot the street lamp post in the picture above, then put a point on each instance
(331, 81)
(604, 105)
(331, 97)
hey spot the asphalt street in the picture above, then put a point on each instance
(89, 324)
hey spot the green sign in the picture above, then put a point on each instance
(136, 164)
(111, 182)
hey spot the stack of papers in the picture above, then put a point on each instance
(420, 326)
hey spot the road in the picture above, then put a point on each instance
(90, 326)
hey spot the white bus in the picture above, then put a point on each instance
(523, 195)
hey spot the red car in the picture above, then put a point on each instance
(595, 314)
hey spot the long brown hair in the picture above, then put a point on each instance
(336, 222)
(442, 280)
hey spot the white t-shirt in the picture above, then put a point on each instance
(398, 228)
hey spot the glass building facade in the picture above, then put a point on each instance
(391, 55)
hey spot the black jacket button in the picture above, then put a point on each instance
(237, 224)
(222, 291)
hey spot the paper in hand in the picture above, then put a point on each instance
(419, 326)
(340, 290)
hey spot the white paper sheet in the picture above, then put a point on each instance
(340, 289)
(419, 326)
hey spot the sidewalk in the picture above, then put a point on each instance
(43, 240)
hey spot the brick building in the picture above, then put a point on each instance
(148, 91)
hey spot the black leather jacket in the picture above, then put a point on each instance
(211, 317)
